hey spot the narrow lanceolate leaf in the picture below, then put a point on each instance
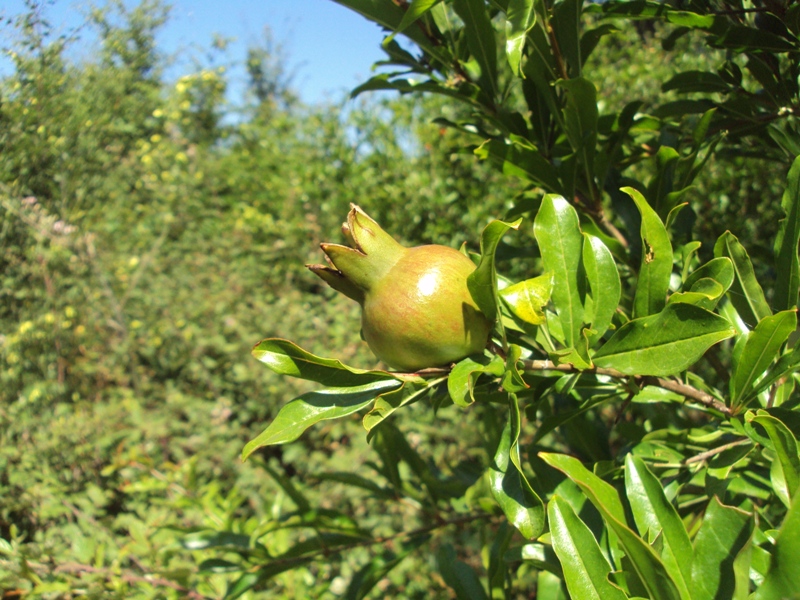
(520, 17)
(783, 577)
(604, 497)
(762, 347)
(604, 284)
(558, 233)
(656, 266)
(585, 568)
(787, 263)
(722, 536)
(415, 10)
(386, 404)
(786, 365)
(461, 380)
(526, 300)
(458, 575)
(303, 412)
(521, 505)
(286, 358)
(482, 283)
(655, 515)
(480, 40)
(785, 447)
(745, 294)
(580, 122)
(663, 344)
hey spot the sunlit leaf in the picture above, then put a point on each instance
(303, 412)
(663, 344)
(558, 234)
(604, 284)
(745, 293)
(526, 299)
(585, 568)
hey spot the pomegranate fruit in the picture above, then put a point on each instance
(416, 309)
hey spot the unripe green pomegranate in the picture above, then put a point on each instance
(417, 311)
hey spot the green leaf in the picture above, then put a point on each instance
(761, 348)
(517, 160)
(656, 265)
(482, 282)
(787, 263)
(786, 365)
(585, 568)
(663, 344)
(461, 380)
(415, 10)
(785, 447)
(724, 532)
(303, 412)
(604, 497)
(286, 358)
(783, 577)
(480, 40)
(745, 293)
(388, 403)
(526, 300)
(458, 575)
(719, 269)
(389, 16)
(580, 122)
(520, 18)
(604, 284)
(522, 507)
(656, 516)
(558, 233)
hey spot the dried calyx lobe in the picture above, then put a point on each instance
(417, 311)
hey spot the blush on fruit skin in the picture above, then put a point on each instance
(417, 311)
(421, 314)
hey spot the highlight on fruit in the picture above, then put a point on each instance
(416, 309)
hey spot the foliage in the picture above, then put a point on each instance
(656, 381)
(631, 432)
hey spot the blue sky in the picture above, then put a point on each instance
(330, 48)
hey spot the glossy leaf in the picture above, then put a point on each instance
(785, 446)
(723, 534)
(783, 577)
(656, 265)
(389, 16)
(663, 344)
(482, 283)
(719, 269)
(604, 284)
(584, 566)
(510, 488)
(786, 365)
(461, 380)
(760, 350)
(656, 516)
(386, 404)
(522, 161)
(745, 293)
(481, 40)
(520, 17)
(526, 300)
(287, 358)
(303, 412)
(558, 234)
(787, 263)
(646, 563)
(415, 10)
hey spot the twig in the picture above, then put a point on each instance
(683, 389)
(714, 451)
